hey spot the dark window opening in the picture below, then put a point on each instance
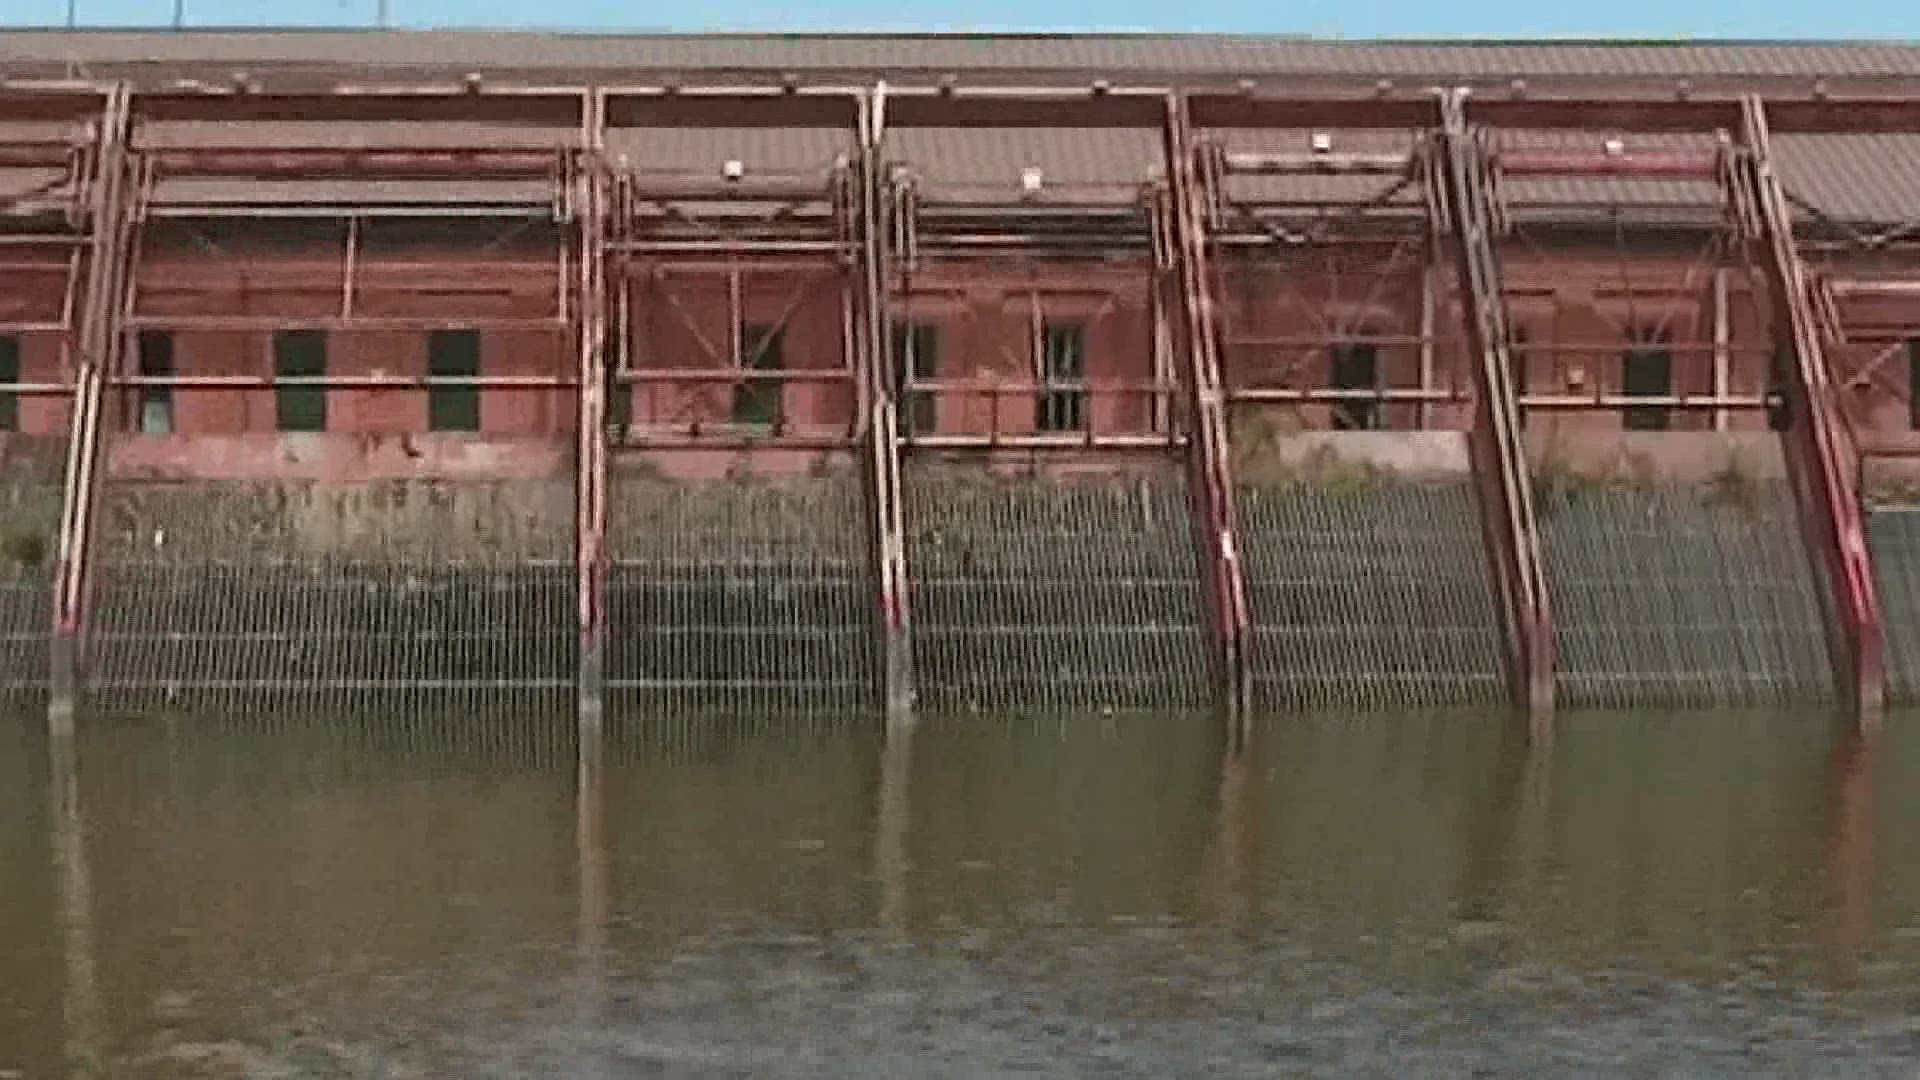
(156, 402)
(619, 393)
(1063, 368)
(916, 357)
(9, 375)
(759, 401)
(1356, 367)
(453, 354)
(1913, 383)
(1647, 371)
(300, 354)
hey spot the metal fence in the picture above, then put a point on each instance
(1894, 535)
(739, 596)
(30, 473)
(1369, 597)
(1031, 594)
(248, 597)
(1670, 596)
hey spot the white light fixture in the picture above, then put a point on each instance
(734, 170)
(1031, 179)
(1322, 142)
(1616, 147)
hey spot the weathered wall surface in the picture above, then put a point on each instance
(1033, 593)
(30, 482)
(1679, 575)
(741, 594)
(238, 592)
(1366, 571)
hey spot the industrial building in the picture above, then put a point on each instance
(1001, 373)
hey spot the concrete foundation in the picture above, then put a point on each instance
(1038, 592)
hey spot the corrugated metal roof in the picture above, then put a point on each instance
(1088, 165)
(1114, 53)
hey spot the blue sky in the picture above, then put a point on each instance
(1325, 18)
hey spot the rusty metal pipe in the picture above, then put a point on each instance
(721, 189)
(298, 164)
(1652, 164)
(345, 382)
(733, 375)
(1866, 287)
(1280, 164)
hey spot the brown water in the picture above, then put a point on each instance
(1699, 895)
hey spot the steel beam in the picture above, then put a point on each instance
(882, 437)
(108, 217)
(590, 481)
(1821, 460)
(1460, 197)
(1209, 464)
(1657, 164)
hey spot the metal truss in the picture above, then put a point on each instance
(627, 243)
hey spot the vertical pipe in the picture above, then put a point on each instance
(1821, 461)
(1208, 461)
(107, 269)
(1722, 334)
(1458, 195)
(590, 481)
(874, 362)
(1428, 302)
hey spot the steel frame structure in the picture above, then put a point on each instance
(873, 232)
(376, 178)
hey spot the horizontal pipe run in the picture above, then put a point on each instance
(1908, 289)
(749, 247)
(1062, 441)
(1286, 395)
(1022, 387)
(334, 323)
(1309, 341)
(721, 189)
(1316, 164)
(344, 382)
(315, 164)
(1652, 164)
(43, 239)
(643, 376)
(45, 327)
(36, 389)
(1664, 401)
(640, 438)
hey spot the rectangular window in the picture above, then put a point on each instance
(9, 375)
(758, 401)
(1647, 371)
(1913, 383)
(300, 354)
(916, 356)
(156, 402)
(453, 354)
(1063, 368)
(619, 394)
(1356, 367)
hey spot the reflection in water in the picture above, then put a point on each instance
(1416, 895)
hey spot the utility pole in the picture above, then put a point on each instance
(179, 14)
